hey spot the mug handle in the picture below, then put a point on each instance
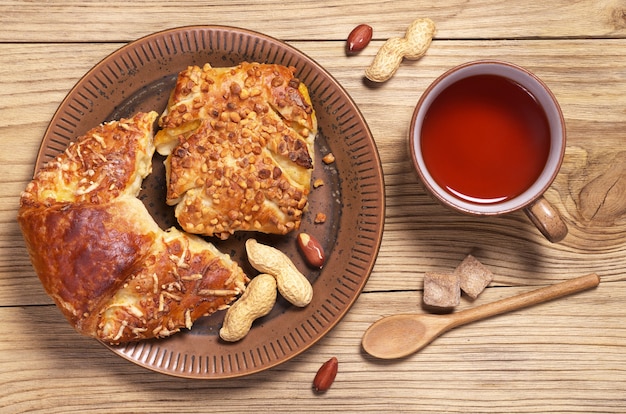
(547, 219)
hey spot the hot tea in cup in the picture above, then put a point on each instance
(488, 138)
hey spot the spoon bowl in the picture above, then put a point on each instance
(404, 334)
(398, 336)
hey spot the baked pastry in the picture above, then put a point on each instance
(111, 270)
(239, 144)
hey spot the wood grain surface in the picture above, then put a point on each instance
(567, 355)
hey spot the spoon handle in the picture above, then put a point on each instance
(526, 299)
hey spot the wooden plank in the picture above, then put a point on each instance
(560, 356)
(120, 21)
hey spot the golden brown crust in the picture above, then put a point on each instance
(108, 161)
(239, 143)
(83, 253)
(99, 254)
(180, 280)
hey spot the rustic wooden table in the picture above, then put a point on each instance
(567, 355)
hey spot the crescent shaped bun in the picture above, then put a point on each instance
(113, 273)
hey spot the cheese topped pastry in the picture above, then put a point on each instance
(239, 144)
(112, 271)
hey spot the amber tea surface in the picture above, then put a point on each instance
(485, 139)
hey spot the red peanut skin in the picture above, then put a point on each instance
(326, 375)
(312, 250)
(359, 38)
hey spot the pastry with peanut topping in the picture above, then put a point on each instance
(239, 144)
(114, 274)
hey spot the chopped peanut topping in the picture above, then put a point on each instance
(329, 158)
(320, 218)
(250, 127)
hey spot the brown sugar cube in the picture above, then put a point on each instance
(473, 275)
(441, 289)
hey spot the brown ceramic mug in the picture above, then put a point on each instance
(488, 138)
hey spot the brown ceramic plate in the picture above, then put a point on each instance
(139, 77)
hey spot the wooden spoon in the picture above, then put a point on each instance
(397, 336)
